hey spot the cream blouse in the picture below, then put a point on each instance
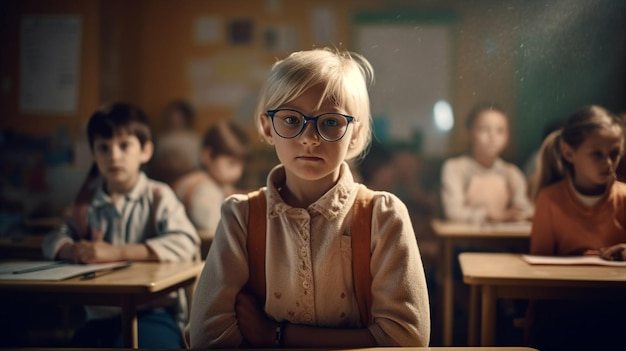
(309, 268)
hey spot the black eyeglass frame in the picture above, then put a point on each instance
(272, 113)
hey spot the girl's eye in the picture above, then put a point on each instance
(596, 155)
(124, 145)
(291, 120)
(614, 155)
(330, 122)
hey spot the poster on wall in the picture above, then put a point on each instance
(49, 64)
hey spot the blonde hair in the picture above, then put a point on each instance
(344, 76)
(552, 166)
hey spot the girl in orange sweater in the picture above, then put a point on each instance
(580, 207)
(580, 210)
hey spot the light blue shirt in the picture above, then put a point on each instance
(169, 233)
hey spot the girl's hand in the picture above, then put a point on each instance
(255, 326)
(97, 251)
(614, 253)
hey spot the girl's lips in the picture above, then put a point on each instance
(309, 158)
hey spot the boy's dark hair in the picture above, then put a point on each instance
(377, 158)
(226, 138)
(116, 117)
(480, 108)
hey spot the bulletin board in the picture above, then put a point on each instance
(412, 57)
(49, 63)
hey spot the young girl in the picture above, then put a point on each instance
(581, 208)
(224, 147)
(314, 109)
(122, 215)
(481, 187)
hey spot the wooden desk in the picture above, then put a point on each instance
(452, 233)
(512, 348)
(495, 276)
(22, 247)
(127, 288)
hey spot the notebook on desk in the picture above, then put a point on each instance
(571, 260)
(52, 270)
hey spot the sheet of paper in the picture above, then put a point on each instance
(571, 260)
(53, 272)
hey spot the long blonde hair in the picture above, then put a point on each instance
(552, 166)
(345, 76)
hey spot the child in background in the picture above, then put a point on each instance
(177, 150)
(121, 215)
(224, 148)
(314, 109)
(481, 187)
(580, 210)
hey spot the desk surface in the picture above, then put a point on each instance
(448, 229)
(510, 348)
(510, 269)
(139, 278)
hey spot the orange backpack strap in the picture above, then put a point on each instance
(257, 227)
(361, 231)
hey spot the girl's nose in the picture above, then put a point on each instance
(309, 136)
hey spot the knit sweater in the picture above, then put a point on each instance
(564, 225)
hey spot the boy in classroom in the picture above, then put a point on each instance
(224, 149)
(481, 187)
(313, 259)
(581, 210)
(121, 215)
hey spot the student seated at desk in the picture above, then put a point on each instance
(224, 148)
(121, 215)
(581, 210)
(481, 187)
(295, 285)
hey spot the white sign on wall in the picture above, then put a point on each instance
(49, 64)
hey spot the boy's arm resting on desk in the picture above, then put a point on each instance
(57, 240)
(453, 195)
(176, 239)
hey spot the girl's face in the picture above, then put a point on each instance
(596, 159)
(308, 157)
(489, 134)
(225, 170)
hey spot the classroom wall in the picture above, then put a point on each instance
(144, 51)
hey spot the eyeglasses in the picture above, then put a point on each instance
(289, 124)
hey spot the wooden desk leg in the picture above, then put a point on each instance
(448, 297)
(488, 316)
(129, 322)
(472, 332)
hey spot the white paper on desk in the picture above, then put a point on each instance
(63, 271)
(571, 260)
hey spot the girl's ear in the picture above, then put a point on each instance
(266, 125)
(146, 152)
(356, 133)
(566, 151)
